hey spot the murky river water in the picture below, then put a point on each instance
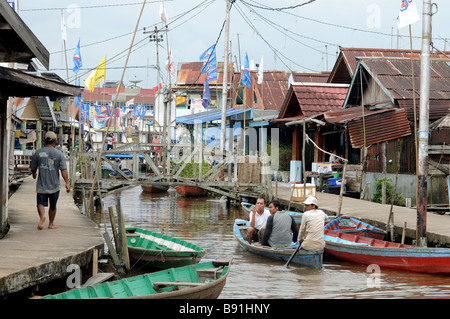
(209, 223)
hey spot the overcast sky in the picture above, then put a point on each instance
(302, 38)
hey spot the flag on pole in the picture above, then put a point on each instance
(96, 76)
(212, 75)
(408, 13)
(130, 102)
(206, 98)
(170, 65)
(210, 52)
(246, 73)
(77, 63)
(209, 66)
(63, 28)
(260, 72)
(162, 12)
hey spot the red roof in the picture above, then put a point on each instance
(310, 99)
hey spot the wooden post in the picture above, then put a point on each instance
(341, 192)
(293, 188)
(123, 237)
(94, 262)
(404, 233)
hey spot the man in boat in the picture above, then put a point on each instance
(281, 229)
(258, 219)
(49, 161)
(310, 236)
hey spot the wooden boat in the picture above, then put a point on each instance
(157, 250)
(106, 171)
(312, 259)
(366, 251)
(154, 188)
(117, 175)
(189, 191)
(247, 208)
(347, 224)
(201, 281)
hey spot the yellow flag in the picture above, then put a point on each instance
(96, 76)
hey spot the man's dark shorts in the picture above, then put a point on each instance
(44, 199)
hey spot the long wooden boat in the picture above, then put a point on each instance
(312, 259)
(366, 251)
(351, 225)
(247, 208)
(157, 250)
(154, 188)
(190, 191)
(201, 281)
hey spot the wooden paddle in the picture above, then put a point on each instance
(293, 255)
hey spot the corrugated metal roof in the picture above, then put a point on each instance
(348, 58)
(379, 128)
(352, 113)
(312, 77)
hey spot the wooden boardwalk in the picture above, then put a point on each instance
(438, 226)
(31, 257)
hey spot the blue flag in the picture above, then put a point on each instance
(98, 110)
(77, 63)
(209, 66)
(211, 76)
(206, 94)
(84, 111)
(208, 54)
(246, 73)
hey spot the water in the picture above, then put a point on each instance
(208, 223)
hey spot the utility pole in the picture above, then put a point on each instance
(225, 79)
(423, 126)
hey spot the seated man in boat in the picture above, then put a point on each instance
(310, 236)
(281, 229)
(258, 219)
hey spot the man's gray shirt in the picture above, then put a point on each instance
(50, 161)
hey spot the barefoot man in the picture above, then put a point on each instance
(49, 161)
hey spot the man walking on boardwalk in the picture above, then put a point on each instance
(50, 161)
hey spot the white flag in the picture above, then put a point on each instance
(162, 12)
(63, 28)
(170, 64)
(408, 14)
(260, 72)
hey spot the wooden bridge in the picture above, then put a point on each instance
(185, 165)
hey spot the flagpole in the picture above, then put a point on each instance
(64, 42)
(90, 208)
(225, 79)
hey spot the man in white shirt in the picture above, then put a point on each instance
(310, 236)
(258, 219)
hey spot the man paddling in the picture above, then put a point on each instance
(311, 231)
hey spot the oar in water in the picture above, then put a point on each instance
(293, 255)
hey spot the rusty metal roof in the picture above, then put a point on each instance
(189, 74)
(270, 93)
(348, 58)
(379, 128)
(314, 77)
(344, 115)
(310, 99)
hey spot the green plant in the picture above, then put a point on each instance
(378, 195)
(188, 170)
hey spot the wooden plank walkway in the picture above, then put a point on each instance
(29, 256)
(438, 226)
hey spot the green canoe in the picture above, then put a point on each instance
(160, 251)
(201, 281)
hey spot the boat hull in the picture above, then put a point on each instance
(312, 259)
(351, 225)
(158, 251)
(190, 191)
(201, 281)
(367, 251)
(154, 188)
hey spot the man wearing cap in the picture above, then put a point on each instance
(50, 161)
(311, 231)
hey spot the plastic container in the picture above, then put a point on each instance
(335, 181)
(335, 174)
